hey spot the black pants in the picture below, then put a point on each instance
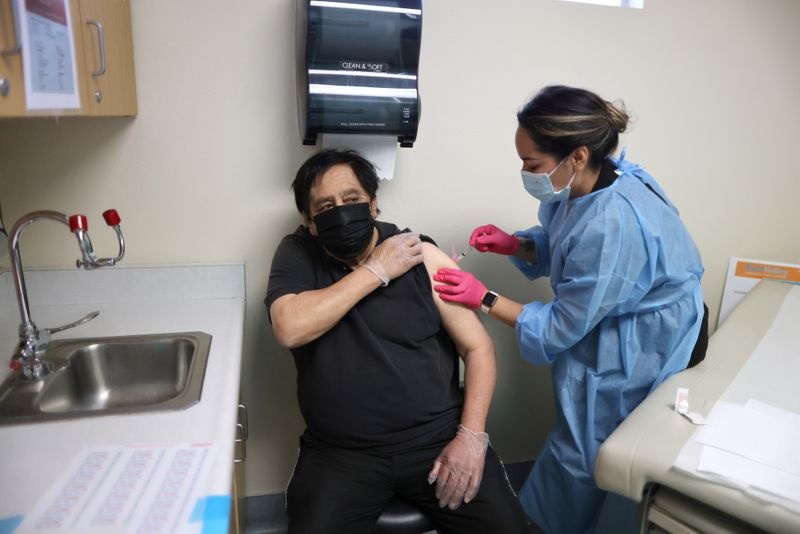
(344, 491)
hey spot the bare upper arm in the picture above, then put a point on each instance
(463, 324)
(278, 313)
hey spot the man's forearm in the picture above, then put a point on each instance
(480, 374)
(302, 318)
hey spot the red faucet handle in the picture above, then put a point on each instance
(112, 217)
(78, 222)
(14, 365)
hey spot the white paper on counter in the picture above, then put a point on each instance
(785, 416)
(753, 435)
(746, 474)
(48, 54)
(770, 375)
(748, 448)
(126, 490)
(380, 150)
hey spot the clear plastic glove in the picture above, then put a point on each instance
(460, 287)
(395, 256)
(458, 469)
(489, 238)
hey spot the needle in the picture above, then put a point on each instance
(457, 256)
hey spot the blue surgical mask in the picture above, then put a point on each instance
(540, 186)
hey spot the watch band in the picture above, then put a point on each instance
(488, 300)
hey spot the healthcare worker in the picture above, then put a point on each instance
(625, 273)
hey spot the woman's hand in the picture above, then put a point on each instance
(460, 287)
(489, 238)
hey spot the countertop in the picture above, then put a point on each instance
(646, 446)
(131, 301)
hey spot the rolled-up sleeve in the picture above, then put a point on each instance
(532, 270)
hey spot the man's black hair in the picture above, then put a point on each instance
(319, 163)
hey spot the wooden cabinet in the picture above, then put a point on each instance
(106, 28)
(103, 56)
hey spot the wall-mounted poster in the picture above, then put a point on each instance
(744, 274)
(48, 54)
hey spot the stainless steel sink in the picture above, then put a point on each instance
(110, 376)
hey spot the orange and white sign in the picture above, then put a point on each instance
(744, 274)
(773, 271)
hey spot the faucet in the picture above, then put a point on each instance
(29, 355)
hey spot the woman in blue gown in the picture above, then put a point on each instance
(625, 273)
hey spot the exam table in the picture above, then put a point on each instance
(644, 459)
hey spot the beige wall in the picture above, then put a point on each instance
(203, 173)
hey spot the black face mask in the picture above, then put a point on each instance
(345, 231)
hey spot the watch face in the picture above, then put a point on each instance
(489, 299)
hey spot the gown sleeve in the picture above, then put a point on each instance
(602, 262)
(539, 236)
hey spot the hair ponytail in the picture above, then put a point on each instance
(560, 119)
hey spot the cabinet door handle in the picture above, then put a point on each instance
(17, 46)
(243, 419)
(101, 41)
(242, 445)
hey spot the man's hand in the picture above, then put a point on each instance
(458, 469)
(395, 256)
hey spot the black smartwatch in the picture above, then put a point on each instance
(488, 300)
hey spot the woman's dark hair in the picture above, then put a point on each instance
(560, 119)
(319, 163)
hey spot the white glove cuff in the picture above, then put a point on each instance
(373, 270)
(480, 437)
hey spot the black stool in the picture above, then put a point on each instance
(399, 517)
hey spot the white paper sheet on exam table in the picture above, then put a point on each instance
(753, 440)
(753, 446)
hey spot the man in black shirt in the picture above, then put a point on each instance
(377, 368)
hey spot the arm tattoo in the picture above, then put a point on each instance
(526, 250)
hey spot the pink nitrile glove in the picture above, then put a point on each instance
(460, 287)
(490, 238)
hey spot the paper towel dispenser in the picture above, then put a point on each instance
(357, 64)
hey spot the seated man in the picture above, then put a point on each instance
(377, 370)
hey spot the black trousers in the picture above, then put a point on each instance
(344, 491)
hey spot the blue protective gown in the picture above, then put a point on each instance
(625, 316)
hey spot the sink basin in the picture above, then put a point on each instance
(111, 376)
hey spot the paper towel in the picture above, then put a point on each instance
(381, 150)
